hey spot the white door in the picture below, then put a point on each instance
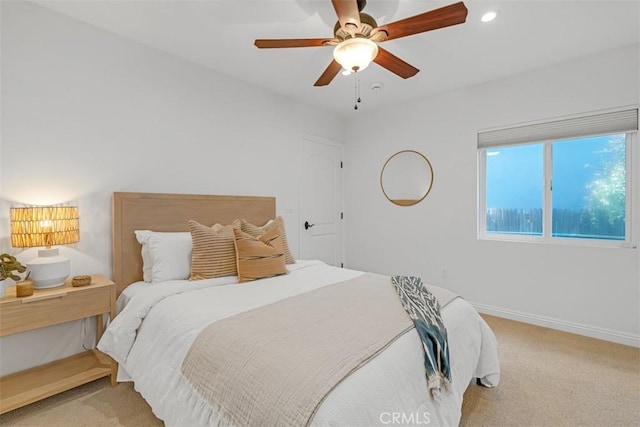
(321, 202)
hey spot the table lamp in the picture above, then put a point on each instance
(46, 226)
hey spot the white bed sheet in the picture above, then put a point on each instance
(153, 332)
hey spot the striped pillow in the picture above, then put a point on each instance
(214, 253)
(259, 257)
(256, 231)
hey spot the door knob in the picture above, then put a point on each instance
(307, 225)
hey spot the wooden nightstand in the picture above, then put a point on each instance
(48, 307)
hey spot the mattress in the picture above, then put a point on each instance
(158, 323)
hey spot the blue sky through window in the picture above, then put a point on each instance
(514, 174)
(579, 162)
(514, 177)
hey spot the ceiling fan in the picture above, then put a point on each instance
(357, 34)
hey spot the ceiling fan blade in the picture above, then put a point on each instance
(332, 70)
(394, 64)
(348, 13)
(439, 18)
(280, 43)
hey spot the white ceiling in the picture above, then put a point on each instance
(219, 34)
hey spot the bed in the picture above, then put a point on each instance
(159, 323)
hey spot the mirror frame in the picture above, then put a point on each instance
(403, 202)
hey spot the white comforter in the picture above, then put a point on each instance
(152, 334)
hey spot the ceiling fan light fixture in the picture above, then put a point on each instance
(355, 54)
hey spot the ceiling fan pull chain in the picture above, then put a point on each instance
(357, 91)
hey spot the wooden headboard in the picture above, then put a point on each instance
(171, 212)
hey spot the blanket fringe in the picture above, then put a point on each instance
(439, 385)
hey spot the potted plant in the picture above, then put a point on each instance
(9, 266)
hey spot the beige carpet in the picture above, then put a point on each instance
(549, 378)
(553, 378)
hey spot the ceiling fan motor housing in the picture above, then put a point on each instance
(367, 24)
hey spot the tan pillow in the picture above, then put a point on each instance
(259, 257)
(255, 231)
(214, 253)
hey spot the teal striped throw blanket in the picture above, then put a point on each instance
(423, 308)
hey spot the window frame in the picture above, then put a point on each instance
(632, 171)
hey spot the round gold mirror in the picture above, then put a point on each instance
(406, 178)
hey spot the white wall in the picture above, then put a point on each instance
(589, 290)
(86, 113)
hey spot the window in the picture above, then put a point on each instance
(567, 180)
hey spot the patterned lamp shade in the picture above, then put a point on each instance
(44, 226)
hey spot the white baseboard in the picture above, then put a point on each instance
(561, 325)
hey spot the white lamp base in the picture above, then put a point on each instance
(49, 269)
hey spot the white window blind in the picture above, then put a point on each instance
(587, 125)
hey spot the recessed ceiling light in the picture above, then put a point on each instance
(345, 72)
(489, 16)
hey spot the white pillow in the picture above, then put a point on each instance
(147, 270)
(165, 255)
